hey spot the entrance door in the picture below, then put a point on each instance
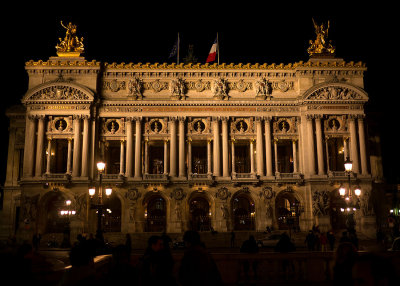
(155, 214)
(200, 214)
(243, 212)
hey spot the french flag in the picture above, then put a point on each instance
(213, 51)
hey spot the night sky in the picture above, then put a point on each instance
(262, 38)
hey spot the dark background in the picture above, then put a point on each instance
(258, 38)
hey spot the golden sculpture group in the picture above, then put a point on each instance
(321, 46)
(71, 46)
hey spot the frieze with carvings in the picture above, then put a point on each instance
(59, 92)
(135, 88)
(242, 126)
(178, 88)
(263, 88)
(220, 89)
(335, 124)
(335, 93)
(285, 126)
(154, 126)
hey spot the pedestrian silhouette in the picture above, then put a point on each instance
(310, 241)
(331, 240)
(250, 246)
(197, 266)
(345, 257)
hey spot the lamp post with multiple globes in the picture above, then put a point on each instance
(99, 204)
(350, 197)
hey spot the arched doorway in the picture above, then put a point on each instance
(155, 214)
(54, 221)
(112, 215)
(287, 211)
(199, 209)
(243, 211)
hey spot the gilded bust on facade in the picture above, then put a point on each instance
(321, 46)
(71, 46)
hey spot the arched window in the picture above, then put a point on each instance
(200, 214)
(243, 210)
(155, 214)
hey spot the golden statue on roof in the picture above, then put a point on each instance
(321, 46)
(71, 46)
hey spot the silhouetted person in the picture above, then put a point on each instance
(324, 241)
(155, 267)
(82, 271)
(121, 269)
(310, 241)
(346, 255)
(284, 244)
(197, 266)
(345, 237)
(36, 241)
(249, 246)
(331, 240)
(353, 237)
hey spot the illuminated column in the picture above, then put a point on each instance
(363, 154)
(276, 154)
(189, 157)
(138, 148)
(268, 151)
(353, 144)
(225, 157)
(122, 159)
(217, 166)
(172, 170)
(252, 156)
(294, 155)
(77, 146)
(310, 147)
(320, 154)
(233, 157)
(165, 157)
(129, 148)
(85, 147)
(29, 151)
(146, 155)
(69, 156)
(48, 162)
(182, 172)
(259, 148)
(40, 147)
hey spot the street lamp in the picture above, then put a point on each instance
(351, 201)
(99, 205)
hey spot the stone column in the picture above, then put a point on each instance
(225, 156)
(146, 156)
(259, 148)
(172, 169)
(189, 157)
(327, 155)
(252, 156)
(320, 152)
(233, 157)
(209, 169)
(69, 156)
(129, 148)
(165, 157)
(276, 155)
(363, 154)
(138, 148)
(294, 156)
(353, 144)
(85, 147)
(29, 148)
(77, 146)
(310, 147)
(40, 147)
(268, 153)
(48, 161)
(122, 159)
(217, 164)
(182, 171)
(345, 147)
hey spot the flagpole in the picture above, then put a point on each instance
(178, 50)
(218, 48)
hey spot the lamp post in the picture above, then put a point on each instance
(67, 230)
(351, 197)
(99, 205)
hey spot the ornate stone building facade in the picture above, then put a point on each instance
(223, 147)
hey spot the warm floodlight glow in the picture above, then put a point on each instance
(67, 202)
(342, 191)
(348, 165)
(101, 166)
(92, 191)
(357, 192)
(108, 191)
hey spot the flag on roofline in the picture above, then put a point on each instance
(213, 52)
(175, 50)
